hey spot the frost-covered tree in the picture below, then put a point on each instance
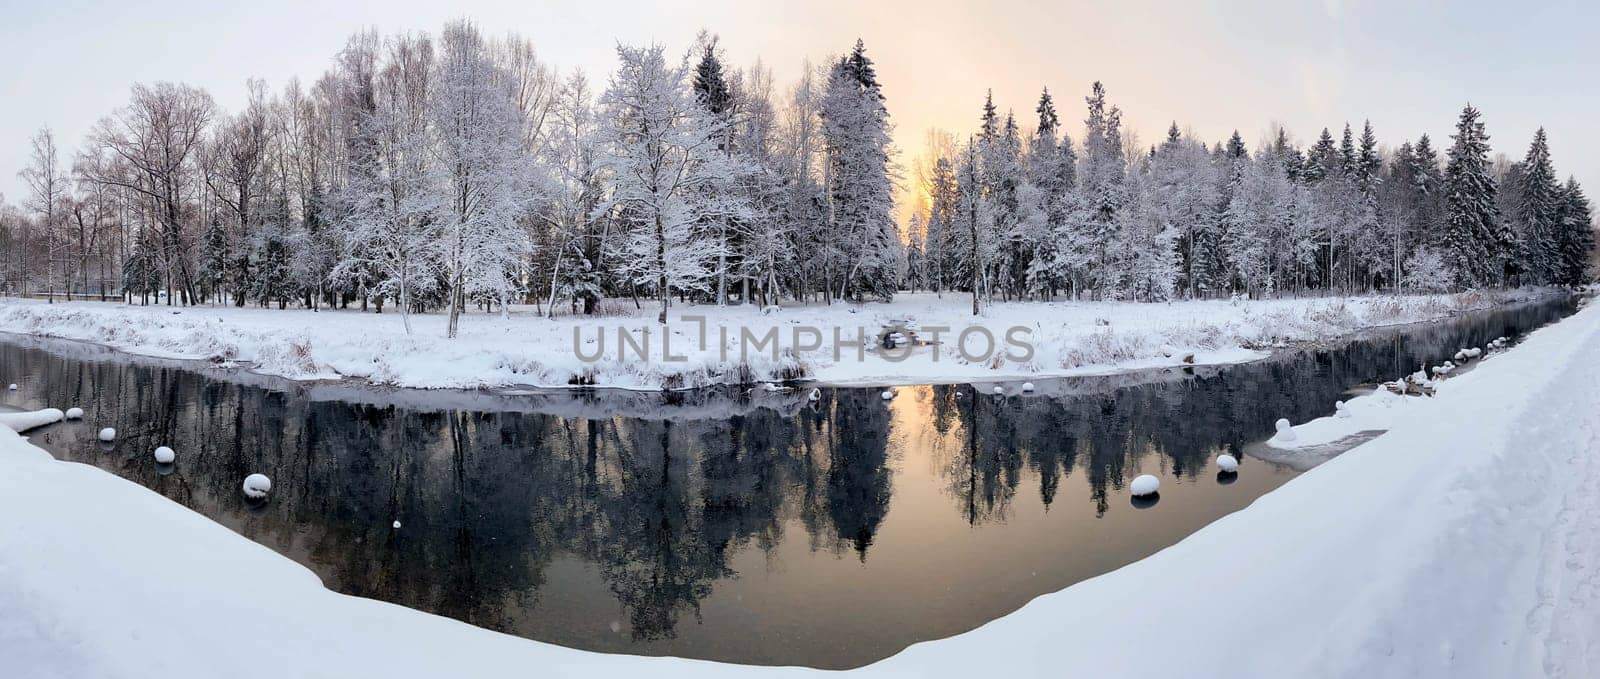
(856, 139)
(661, 151)
(480, 184)
(1181, 193)
(48, 193)
(1102, 177)
(577, 232)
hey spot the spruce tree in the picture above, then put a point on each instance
(855, 130)
(1538, 212)
(1471, 243)
(1322, 160)
(1575, 235)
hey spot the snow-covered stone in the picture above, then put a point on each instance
(108, 434)
(887, 394)
(1027, 386)
(256, 486)
(31, 419)
(74, 413)
(1227, 463)
(815, 395)
(1285, 430)
(165, 455)
(1342, 408)
(1144, 484)
(999, 389)
(11, 387)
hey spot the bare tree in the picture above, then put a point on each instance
(155, 137)
(47, 193)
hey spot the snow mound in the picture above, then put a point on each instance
(29, 420)
(1227, 463)
(1145, 485)
(1027, 386)
(165, 455)
(256, 486)
(1285, 431)
(74, 413)
(108, 434)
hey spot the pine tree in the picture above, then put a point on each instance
(1537, 213)
(1103, 178)
(1575, 236)
(1323, 159)
(1471, 245)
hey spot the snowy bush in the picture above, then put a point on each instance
(1426, 271)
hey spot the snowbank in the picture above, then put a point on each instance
(1459, 544)
(32, 419)
(1380, 410)
(1068, 338)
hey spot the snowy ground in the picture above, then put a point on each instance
(1068, 338)
(1462, 543)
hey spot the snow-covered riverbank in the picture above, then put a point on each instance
(1067, 338)
(1459, 544)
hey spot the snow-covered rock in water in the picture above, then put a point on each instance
(11, 387)
(397, 523)
(108, 434)
(1144, 485)
(1227, 463)
(815, 395)
(165, 455)
(1461, 355)
(1474, 352)
(1342, 409)
(24, 421)
(74, 413)
(887, 394)
(1027, 386)
(256, 486)
(1285, 430)
(999, 390)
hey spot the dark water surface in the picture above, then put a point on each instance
(750, 527)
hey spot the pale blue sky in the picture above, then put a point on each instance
(1212, 66)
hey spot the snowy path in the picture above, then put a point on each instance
(1460, 544)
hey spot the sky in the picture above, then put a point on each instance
(1211, 66)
